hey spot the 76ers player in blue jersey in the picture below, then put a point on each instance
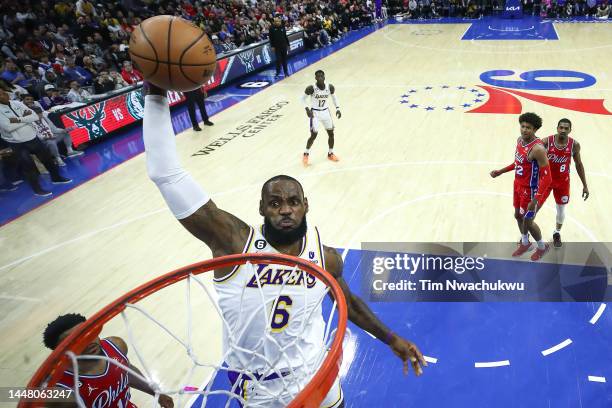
(531, 180)
(283, 207)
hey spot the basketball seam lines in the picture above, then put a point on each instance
(183, 54)
(168, 54)
(146, 37)
(167, 62)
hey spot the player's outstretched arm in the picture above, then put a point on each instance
(580, 169)
(135, 382)
(499, 172)
(190, 204)
(306, 98)
(360, 314)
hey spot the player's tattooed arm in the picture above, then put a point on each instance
(360, 314)
(580, 169)
(221, 231)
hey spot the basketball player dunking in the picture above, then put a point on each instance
(316, 101)
(531, 179)
(101, 383)
(283, 207)
(561, 148)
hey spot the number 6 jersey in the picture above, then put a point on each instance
(288, 329)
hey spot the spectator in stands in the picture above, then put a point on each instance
(130, 74)
(603, 11)
(228, 44)
(78, 94)
(85, 8)
(73, 72)
(88, 66)
(44, 65)
(11, 74)
(591, 8)
(413, 8)
(15, 91)
(53, 98)
(9, 48)
(62, 34)
(33, 78)
(17, 131)
(118, 79)
(49, 133)
(104, 83)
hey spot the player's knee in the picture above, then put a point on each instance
(560, 213)
(517, 215)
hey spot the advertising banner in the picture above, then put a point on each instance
(98, 119)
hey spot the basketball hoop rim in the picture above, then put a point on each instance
(51, 369)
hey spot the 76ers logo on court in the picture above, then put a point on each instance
(503, 93)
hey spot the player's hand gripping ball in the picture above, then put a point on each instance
(172, 53)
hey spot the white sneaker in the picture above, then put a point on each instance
(60, 162)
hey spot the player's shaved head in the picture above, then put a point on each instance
(266, 186)
(55, 329)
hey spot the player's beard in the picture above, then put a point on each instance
(282, 237)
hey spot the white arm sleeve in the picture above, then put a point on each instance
(182, 194)
(335, 99)
(306, 100)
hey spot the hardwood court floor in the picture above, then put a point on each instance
(405, 174)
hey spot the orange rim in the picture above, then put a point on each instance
(311, 396)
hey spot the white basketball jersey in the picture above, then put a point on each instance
(320, 98)
(291, 318)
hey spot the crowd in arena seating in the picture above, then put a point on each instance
(63, 52)
(426, 9)
(54, 53)
(66, 50)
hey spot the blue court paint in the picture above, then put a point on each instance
(528, 28)
(461, 334)
(110, 152)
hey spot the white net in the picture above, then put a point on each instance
(259, 347)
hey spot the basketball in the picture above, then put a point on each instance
(172, 53)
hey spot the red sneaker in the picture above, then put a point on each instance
(332, 157)
(521, 249)
(539, 253)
